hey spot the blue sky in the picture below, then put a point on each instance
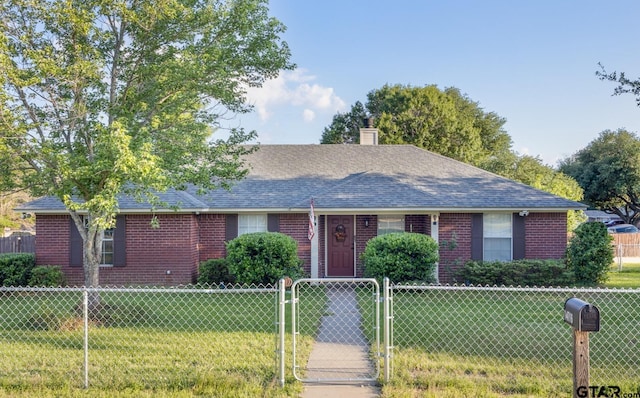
(532, 63)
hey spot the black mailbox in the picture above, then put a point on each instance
(581, 315)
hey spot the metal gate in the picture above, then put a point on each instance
(343, 317)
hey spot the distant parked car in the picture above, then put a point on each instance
(622, 229)
(612, 223)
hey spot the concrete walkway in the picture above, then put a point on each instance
(339, 360)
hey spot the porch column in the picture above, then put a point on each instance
(314, 250)
(434, 235)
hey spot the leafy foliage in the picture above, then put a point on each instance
(446, 122)
(625, 85)
(608, 170)
(263, 258)
(106, 97)
(589, 253)
(46, 275)
(402, 257)
(516, 273)
(15, 269)
(214, 271)
(531, 171)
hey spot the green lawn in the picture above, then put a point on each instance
(150, 344)
(447, 343)
(450, 343)
(628, 277)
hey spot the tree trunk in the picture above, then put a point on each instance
(92, 253)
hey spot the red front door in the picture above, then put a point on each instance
(340, 246)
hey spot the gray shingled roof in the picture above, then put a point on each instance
(359, 178)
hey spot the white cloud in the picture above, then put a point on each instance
(308, 115)
(294, 88)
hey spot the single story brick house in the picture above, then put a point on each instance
(359, 192)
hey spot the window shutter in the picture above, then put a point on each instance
(273, 222)
(518, 237)
(476, 237)
(119, 243)
(231, 227)
(75, 245)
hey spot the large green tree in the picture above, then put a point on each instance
(106, 97)
(443, 121)
(608, 170)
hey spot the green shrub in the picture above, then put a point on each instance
(263, 258)
(15, 268)
(516, 273)
(589, 253)
(402, 257)
(214, 271)
(47, 275)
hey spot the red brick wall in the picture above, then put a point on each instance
(212, 236)
(363, 235)
(167, 255)
(453, 227)
(52, 240)
(546, 235)
(297, 226)
(150, 252)
(184, 240)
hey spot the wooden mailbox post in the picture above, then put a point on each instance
(583, 318)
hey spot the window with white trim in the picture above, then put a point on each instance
(390, 224)
(497, 235)
(248, 223)
(107, 244)
(107, 247)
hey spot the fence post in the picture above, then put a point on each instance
(387, 329)
(620, 257)
(281, 328)
(85, 316)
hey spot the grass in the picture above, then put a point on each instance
(628, 277)
(177, 345)
(500, 343)
(446, 344)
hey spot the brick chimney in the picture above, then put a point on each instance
(368, 134)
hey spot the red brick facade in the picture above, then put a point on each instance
(170, 255)
(546, 235)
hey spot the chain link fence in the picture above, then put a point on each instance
(143, 338)
(515, 336)
(341, 315)
(173, 338)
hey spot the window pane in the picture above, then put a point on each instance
(497, 232)
(107, 248)
(248, 223)
(388, 225)
(497, 225)
(497, 249)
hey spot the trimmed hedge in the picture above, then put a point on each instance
(215, 271)
(402, 257)
(263, 258)
(19, 269)
(47, 275)
(516, 273)
(15, 268)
